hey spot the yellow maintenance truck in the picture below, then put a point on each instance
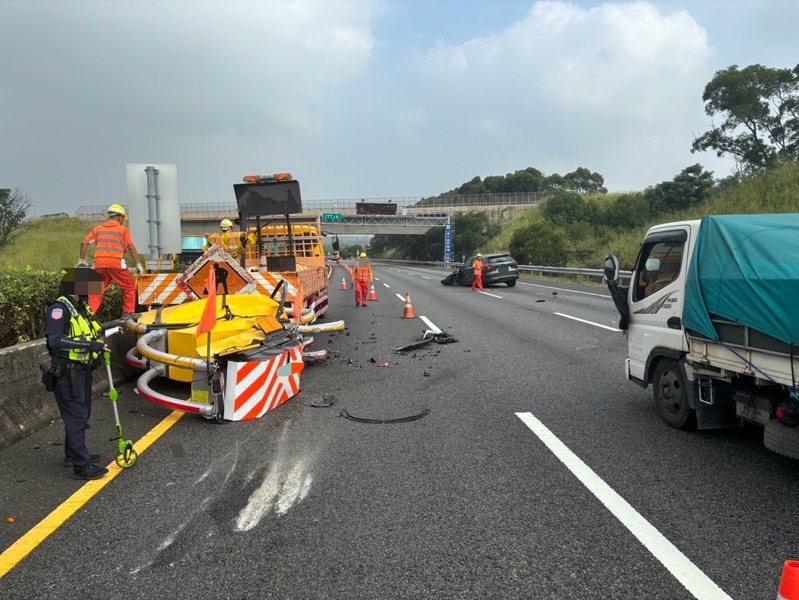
(272, 245)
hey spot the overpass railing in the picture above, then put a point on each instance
(335, 205)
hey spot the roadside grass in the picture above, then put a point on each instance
(47, 245)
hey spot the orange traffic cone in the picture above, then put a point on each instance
(372, 294)
(343, 283)
(789, 584)
(408, 314)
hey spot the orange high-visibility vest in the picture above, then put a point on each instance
(111, 240)
(478, 267)
(363, 274)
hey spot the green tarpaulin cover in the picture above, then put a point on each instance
(745, 269)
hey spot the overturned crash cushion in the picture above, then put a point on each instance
(261, 381)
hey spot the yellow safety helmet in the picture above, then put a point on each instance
(363, 254)
(117, 209)
(225, 224)
(479, 255)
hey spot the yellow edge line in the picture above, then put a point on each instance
(39, 532)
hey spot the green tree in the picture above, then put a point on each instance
(526, 180)
(760, 108)
(539, 244)
(564, 207)
(583, 181)
(14, 206)
(553, 183)
(628, 211)
(691, 187)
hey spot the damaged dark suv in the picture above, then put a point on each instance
(497, 268)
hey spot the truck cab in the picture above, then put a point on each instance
(655, 297)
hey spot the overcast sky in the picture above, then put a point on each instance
(364, 98)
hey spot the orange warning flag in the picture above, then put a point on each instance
(208, 318)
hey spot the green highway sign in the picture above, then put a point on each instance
(331, 217)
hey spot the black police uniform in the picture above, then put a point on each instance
(72, 379)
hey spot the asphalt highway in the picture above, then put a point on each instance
(524, 465)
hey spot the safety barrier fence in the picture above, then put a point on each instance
(529, 269)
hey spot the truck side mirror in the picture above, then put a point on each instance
(611, 269)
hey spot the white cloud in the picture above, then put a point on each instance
(562, 85)
(160, 81)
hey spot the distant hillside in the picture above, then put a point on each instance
(48, 244)
(587, 244)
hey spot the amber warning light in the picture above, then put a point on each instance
(264, 178)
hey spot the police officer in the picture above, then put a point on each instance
(74, 340)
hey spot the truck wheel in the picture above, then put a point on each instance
(782, 439)
(671, 394)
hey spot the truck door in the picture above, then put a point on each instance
(656, 297)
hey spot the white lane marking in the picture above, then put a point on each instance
(549, 287)
(388, 286)
(430, 324)
(426, 277)
(490, 294)
(401, 297)
(681, 568)
(588, 322)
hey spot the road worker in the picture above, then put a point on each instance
(477, 268)
(232, 242)
(362, 276)
(112, 241)
(74, 341)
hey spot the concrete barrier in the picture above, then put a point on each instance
(25, 406)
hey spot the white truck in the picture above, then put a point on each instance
(712, 323)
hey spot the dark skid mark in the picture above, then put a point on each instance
(347, 415)
(177, 450)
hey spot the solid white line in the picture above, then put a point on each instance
(686, 572)
(490, 294)
(588, 322)
(430, 324)
(549, 287)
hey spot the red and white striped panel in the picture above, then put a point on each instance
(162, 289)
(254, 388)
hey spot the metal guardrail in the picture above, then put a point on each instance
(532, 269)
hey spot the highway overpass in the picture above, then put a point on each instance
(339, 216)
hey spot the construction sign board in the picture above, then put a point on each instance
(231, 278)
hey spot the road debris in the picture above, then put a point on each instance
(439, 337)
(407, 419)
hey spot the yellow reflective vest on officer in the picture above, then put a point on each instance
(81, 329)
